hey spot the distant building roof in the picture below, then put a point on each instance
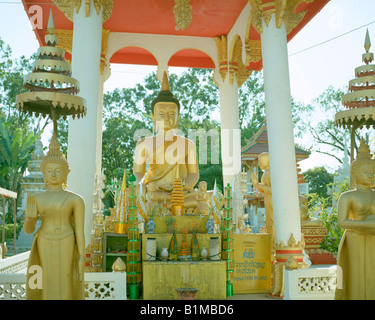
(259, 144)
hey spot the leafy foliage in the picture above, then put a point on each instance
(327, 211)
(319, 120)
(18, 131)
(319, 179)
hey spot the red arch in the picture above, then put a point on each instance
(191, 58)
(134, 55)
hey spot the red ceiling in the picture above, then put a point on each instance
(210, 18)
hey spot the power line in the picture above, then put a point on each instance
(334, 38)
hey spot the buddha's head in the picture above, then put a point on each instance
(55, 167)
(363, 167)
(202, 186)
(264, 160)
(165, 108)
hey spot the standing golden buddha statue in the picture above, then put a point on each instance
(59, 244)
(166, 153)
(264, 187)
(356, 214)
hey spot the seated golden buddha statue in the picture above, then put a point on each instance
(167, 154)
(58, 248)
(306, 220)
(356, 214)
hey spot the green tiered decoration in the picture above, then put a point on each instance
(227, 237)
(173, 247)
(134, 253)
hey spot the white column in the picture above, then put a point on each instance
(280, 132)
(82, 136)
(230, 130)
(99, 141)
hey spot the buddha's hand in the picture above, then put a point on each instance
(31, 211)
(187, 187)
(254, 179)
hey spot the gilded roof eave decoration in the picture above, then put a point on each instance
(231, 63)
(68, 7)
(183, 13)
(285, 11)
(360, 100)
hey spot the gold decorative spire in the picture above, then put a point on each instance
(123, 184)
(367, 57)
(367, 42)
(122, 207)
(54, 151)
(165, 83)
(177, 201)
(364, 158)
(51, 24)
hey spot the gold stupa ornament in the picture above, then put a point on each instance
(177, 201)
(122, 208)
(50, 89)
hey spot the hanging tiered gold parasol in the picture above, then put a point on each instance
(50, 88)
(360, 101)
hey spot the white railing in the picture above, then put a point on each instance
(316, 282)
(98, 285)
(15, 264)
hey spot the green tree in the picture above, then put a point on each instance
(327, 138)
(319, 179)
(18, 131)
(15, 150)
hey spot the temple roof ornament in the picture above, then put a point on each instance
(183, 14)
(285, 11)
(68, 7)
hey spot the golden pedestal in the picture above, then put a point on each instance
(166, 224)
(160, 279)
(252, 263)
(314, 236)
(163, 239)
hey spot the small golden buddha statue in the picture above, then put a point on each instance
(264, 188)
(166, 153)
(306, 220)
(59, 244)
(356, 214)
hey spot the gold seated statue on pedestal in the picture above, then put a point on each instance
(173, 166)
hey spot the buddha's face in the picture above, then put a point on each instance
(263, 161)
(166, 116)
(365, 175)
(202, 186)
(54, 174)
